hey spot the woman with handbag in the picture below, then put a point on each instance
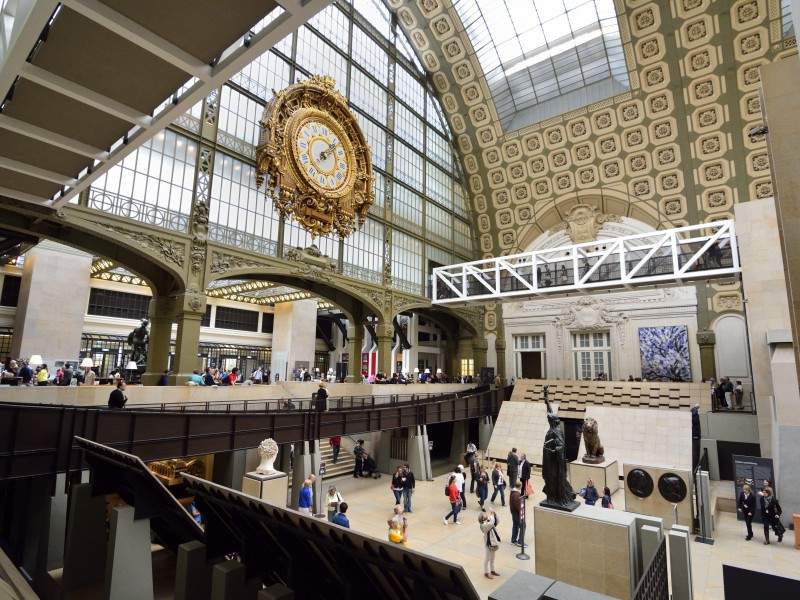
(491, 540)
(771, 515)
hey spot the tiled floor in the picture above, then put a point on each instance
(371, 503)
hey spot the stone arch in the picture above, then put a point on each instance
(551, 213)
(350, 302)
(731, 348)
(150, 253)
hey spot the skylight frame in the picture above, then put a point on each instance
(530, 62)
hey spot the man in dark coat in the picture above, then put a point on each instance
(524, 473)
(512, 467)
(117, 398)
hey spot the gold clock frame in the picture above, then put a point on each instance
(318, 210)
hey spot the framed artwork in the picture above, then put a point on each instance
(665, 353)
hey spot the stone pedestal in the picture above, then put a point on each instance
(267, 487)
(591, 547)
(129, 563)
(602, 474)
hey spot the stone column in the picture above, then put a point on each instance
(355, 336)
(500, 345)
(191, 310)
(385, 335)
(161, 315)
(294, 336)
(479, 354)
(53, 297)
(706, 339)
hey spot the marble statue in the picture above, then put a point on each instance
(267, 451)
(138, 340)
(591, 441)
(554, 465)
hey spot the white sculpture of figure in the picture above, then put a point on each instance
(267, 451)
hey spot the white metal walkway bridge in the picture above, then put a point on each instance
(704, 251)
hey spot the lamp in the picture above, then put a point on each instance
(130, 367)
(87, 363)
(36, 360)
(438, 371)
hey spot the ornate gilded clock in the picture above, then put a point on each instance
(314, 158)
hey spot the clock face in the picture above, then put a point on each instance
(322, 155)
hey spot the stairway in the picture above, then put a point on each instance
(344, 465)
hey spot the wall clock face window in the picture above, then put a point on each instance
(322, 155)
(314, 158)
(639, 483)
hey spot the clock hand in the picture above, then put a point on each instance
(324, 154)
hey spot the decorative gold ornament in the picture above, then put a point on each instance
(314, 158)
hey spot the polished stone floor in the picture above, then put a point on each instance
(371, 503)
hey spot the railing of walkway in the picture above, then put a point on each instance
(37, 439)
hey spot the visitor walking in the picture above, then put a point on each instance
(515, 506)
(335, 443)
(398, 526)
(474, 473)
(771, 515)
(589, 493)
(499, 484)
(491, 540)
(321, 400)
(512, 464)
(117, 398)
(460, 483)
(746, 504)
(454, 495)
(396, 484)
(340, 518)
(738, 395)
(305, 499)
(525, 476)
(409, 483)
(333, 500)
(483, 486)
(358, 453)
(606, 500)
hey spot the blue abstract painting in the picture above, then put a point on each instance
(665, 353)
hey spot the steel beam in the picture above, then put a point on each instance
(234, 60)
(706, 250)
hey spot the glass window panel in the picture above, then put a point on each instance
(239, 115)
(368, 54)
(368, 95)
(376, 14)
(406, 207)
(408, 126)
(319, 58)
(334, 25)
(266, 73)
(239, 214)
(439, 186)
(363, 252)
(407, 165)
(438, 224)
(145, 180)
(513, 38)
(409, 89)
(376, 138)
(407, 271)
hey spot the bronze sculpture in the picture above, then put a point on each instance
(138, 339)
(554, 465)
(591, 441)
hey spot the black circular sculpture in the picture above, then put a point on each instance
(639, 483)
(672, 487)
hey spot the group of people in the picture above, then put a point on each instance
(402, 486)
(725, 395)
(770, 510)
(20, 372)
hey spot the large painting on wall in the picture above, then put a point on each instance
(665, 353)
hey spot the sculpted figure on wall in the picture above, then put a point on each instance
(583, 222)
